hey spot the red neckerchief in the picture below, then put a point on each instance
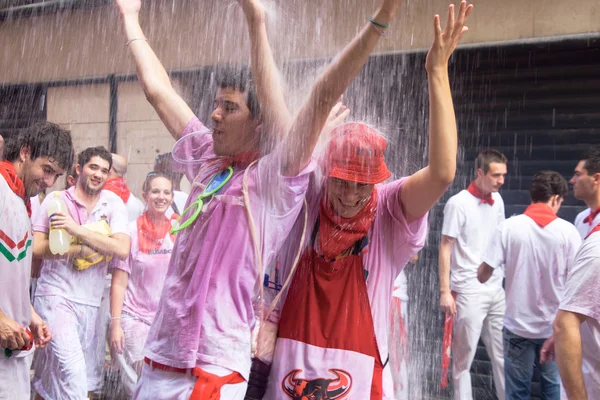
(541, 214)
(241, 160)
(151, 235)
(338, 234)
(118, 187)
(474, 190)
(590, 218)
(7, 170)
(596, 229)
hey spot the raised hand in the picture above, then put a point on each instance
(444, 42)
(336, 117)
(253, 9)
(129, 7)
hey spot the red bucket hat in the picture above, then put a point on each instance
(356, 153)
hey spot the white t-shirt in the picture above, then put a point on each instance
(58, 276)
(135, 208)
(401, 287)
(582, 296)
(536, 262)
(472, 224)
(180, 200)
(583, 227)
(16, 238)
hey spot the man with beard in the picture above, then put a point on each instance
(70, 286)
(586, 187)
(34, 159)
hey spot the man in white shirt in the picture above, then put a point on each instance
(577, 324)
(470, 218)
(117, 184)
(586, 187)
(537, 250)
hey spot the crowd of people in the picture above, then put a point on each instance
(279, 275)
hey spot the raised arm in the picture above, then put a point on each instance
(304, 134)
(423, 189)
(567, 345)
(171, 108)
(269, 88)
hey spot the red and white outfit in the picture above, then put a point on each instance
(537, 249)
(68, 300)
(333, 330)
(471, 219)
(399, 338)
(200, 340)
(586, 220)
(582, 296)
(147, 268)
(15, 271)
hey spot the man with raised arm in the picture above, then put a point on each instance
(200, 341)
(33, 160)
(70, 286)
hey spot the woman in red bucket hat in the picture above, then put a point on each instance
(358, 234)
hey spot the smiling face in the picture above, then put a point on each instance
(39, 174)
(234, 130)
(93, 175)
(159, 196)
(347, 198)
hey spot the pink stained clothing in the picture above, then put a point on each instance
(392, 241)
(582, 297)
(147, 274)
(205, 314)
(58, 276)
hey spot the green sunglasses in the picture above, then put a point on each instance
(214, 185)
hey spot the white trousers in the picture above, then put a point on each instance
(477, 315)
(156, 384)
(129, 363)
(14, 377)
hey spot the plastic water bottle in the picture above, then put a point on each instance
(60, 240)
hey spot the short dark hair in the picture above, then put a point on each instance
(240, 78)
(44, 139)
(86, 155)
(488, 156)
(152, 176)
(546, 184)
(592, 160)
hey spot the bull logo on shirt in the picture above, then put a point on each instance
(337, 388)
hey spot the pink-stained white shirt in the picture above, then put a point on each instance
(206, 313)
(472, 224)
(58, 276)
(536, 261)
(584, 227)
(392, 242)
(147, 272)
(582, 296)
(16, 238)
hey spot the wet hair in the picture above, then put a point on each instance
(592, 160)
(546, 184)
(488, 156)
(44, 139)
(163, 164)
(72, 172)
(240, 78)
(152, 176)
(98, 151)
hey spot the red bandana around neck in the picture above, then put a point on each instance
(474, 190)
(590, 218)
(596, 229)
(7, 170)
(338, 234)
(118, 187)
(151, 235)
(541, 214)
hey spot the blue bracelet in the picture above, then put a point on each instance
(371, 20)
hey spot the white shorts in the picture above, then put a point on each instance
(66, 365)
(135, 332)
(14, 377)
(155, 384)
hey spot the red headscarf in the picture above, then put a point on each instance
(7, 170)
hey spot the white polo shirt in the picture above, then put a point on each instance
(582, 296)
(536, 261)
(472, 224)
(583, 227)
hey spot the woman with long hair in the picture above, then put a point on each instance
(137, 281)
